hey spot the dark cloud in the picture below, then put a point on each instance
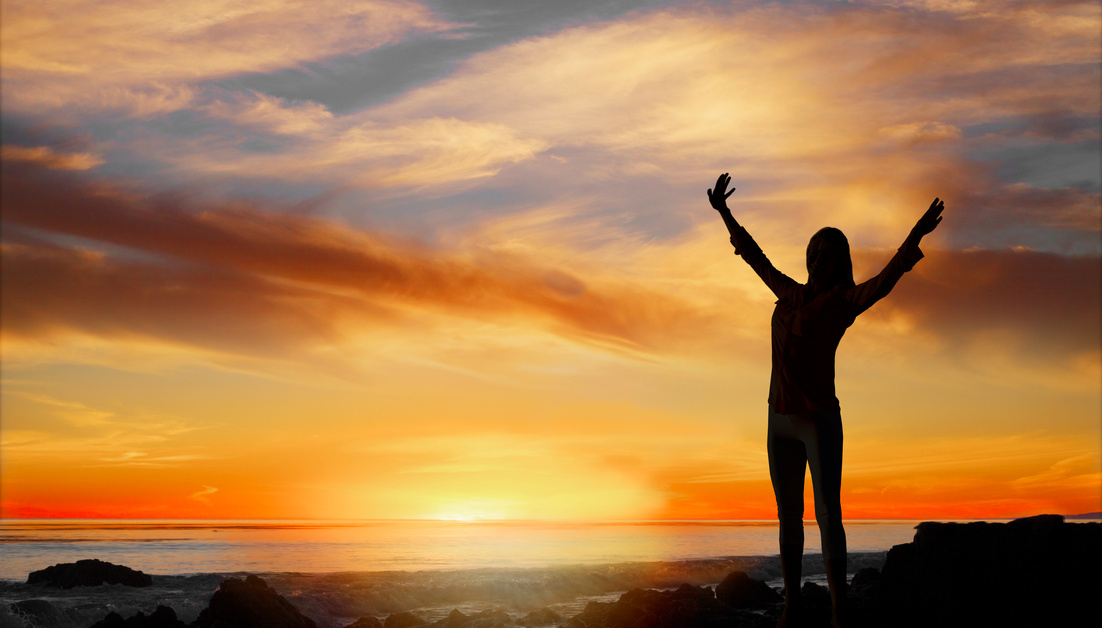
(1050, 305)
(1052, 165)
(997, 214)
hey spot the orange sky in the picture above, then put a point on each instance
(391, 259)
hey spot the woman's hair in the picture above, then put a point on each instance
(834, 241)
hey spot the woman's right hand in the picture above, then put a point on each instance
(718, 197)
(929, 220)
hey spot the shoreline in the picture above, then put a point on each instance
(951, 574)
(334, 599)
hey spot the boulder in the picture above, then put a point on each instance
(865, 583)
(250, 603)
(36, 613)
(817, 606)
(162, 617)
(543, 617)
(685, 607)
(864, 590)
(88, 573)
(739, 590)
(455, 619)
(366, 622)
(404, 619)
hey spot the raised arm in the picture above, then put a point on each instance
(744, 245)
(866, 294)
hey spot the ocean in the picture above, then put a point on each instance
(338, 571)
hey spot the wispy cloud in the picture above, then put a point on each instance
(419, 154)
(88, 436)
(142, 57)
(203, 495)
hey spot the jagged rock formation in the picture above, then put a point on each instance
(163, 617)
(250, 603)
(1038, 571)
(404, 619)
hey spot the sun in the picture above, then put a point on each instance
(473, 512)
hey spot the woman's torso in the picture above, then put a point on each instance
(806, 330)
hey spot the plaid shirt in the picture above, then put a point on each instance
(806, 328)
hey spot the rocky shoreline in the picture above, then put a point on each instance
(1037, 571)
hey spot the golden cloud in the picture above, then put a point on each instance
(773, 81)
(49, 158)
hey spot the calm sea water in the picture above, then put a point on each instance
(191, 547)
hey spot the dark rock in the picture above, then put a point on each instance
(366, 622)
(542, 617)
(495, 618)
(817, 606)
(113, 620)
(250, 603)
(594, 614)
(404, 619)
(455, 619)
(37, 613)
(1038, 571)
(687, 607)
(865, 581)
(486, 619)
(739, 590)
(88, 573)
(864, 590)
(162, 617)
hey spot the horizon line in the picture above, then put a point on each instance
(488, 520)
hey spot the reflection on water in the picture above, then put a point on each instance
(196, 546)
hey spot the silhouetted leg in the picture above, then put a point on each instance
(824, 457)
(787, 465)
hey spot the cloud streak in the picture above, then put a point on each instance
(49, 158)
(241, 277)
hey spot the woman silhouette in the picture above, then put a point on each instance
(805, 423)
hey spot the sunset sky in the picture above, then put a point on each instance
(454, 259)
